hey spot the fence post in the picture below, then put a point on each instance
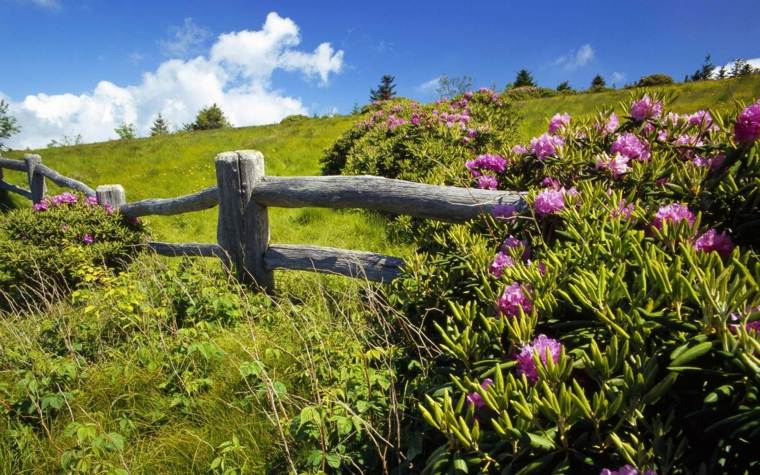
(36, 180)
(111, 195)
(243, 228)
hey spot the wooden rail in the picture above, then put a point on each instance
(244, 193)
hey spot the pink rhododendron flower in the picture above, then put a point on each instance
(415, 119)
(475, 399)
(623, 210)
(527, 365)
(519, 150)
(712, 240)
(648, 128)
(88, 239)
(617, 164)
(501, 211)
(394, 122)
(64, 198)
(672, 214)
(511, 242)
(500, 261)
(610, 126)
(549, 201)
(645, 108)
(494, 163)
(546, 145)
(91, 201)
(558, 122)
(513, 299)
(701, 118)
(626, 470)
(713, 162)
(487, 182)
(662, 135)
(631, 146)
(550, 182)
(41, 206)
(747, 127)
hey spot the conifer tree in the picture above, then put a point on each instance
(159, 127)
(386, 90)
(524, 78)
(598, 83)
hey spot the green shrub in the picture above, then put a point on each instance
(654, 80)
(42, 248)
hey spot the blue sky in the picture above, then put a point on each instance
(78, 67)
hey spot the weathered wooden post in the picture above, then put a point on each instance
(243, 228)
(111, 195)
(36, 180)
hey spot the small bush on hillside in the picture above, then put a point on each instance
(530, 92)
(125, 131)
(654, 80)
(616, 323)
(294, 119)
(209, 118)
(42, 247)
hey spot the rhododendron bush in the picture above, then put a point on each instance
(613, 325)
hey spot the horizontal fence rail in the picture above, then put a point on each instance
(244, 193)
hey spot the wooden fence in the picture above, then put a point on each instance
(244, 193)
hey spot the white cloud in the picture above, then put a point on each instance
(236, 74)
(429, 87)
(186, 39)
(576, 58)
(754, 62)
(618, 77)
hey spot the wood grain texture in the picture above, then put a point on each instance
(111, 195)
(374, 267)
(204, 199)
(36, 180)
(65, 181)
(11, 164)
(15, 189)
(187, 249)
(446, 203)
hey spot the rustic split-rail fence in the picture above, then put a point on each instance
(244, 193)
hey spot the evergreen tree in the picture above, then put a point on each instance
(564, 86)
(159, 127)
(524, 78)
(8, 124)
(705, 72)
(386, 90)
(211, 117)
(598, 83)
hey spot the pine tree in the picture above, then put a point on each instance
(211, 117)
(564, 86)
(524, 78)
(386, 90)
(159, 127)
(598, 83)
(8, 124)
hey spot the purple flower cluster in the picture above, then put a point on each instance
(513, 299)
(501, 211)
(88, 239)
(672, 214)
(487, 182)
(626, 470)
(712, 240)
(616, 164)
(645, 108)
(526, 364)
(624, 210)
(394, 122)
(546, 145)
(558, 122)
(629, 145)
(503, 258)
(475, 399)
(551, 201)
(493, 163)
(747, 127)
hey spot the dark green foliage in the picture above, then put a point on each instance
(386, 90)
(564, 86)
(125, 131)
(294, 119)
(654, 80)
(209, 118)
(159, 127)
(705, 72)
(8, 123)
(598, 83)
(524, 78)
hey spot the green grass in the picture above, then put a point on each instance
(183, 163)
(720, 95)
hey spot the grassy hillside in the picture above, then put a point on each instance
(183, 163)
(717, 95)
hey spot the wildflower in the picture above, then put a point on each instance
(551, 182)
(500, 261)
(546, 145)
(711, 240)
(64, 198)
(88, 239)
(475, 399)
(501, 211)
(91, 201)
(415, 119)
(747, 127)
(513, 299)
(617, 164)
(526, 364)
(645, 108)
(519, 149)
(558, 122)
(686, 143)
(549, 201)
(41, 206)
(623, 210)
(672, 214)
(631, 146)
(713, 163)
(610, 126)
(662, 135)
(394, 122)
(511, 242)
(701, 118)
(626, 470)
(487, 182)
(494, 163)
